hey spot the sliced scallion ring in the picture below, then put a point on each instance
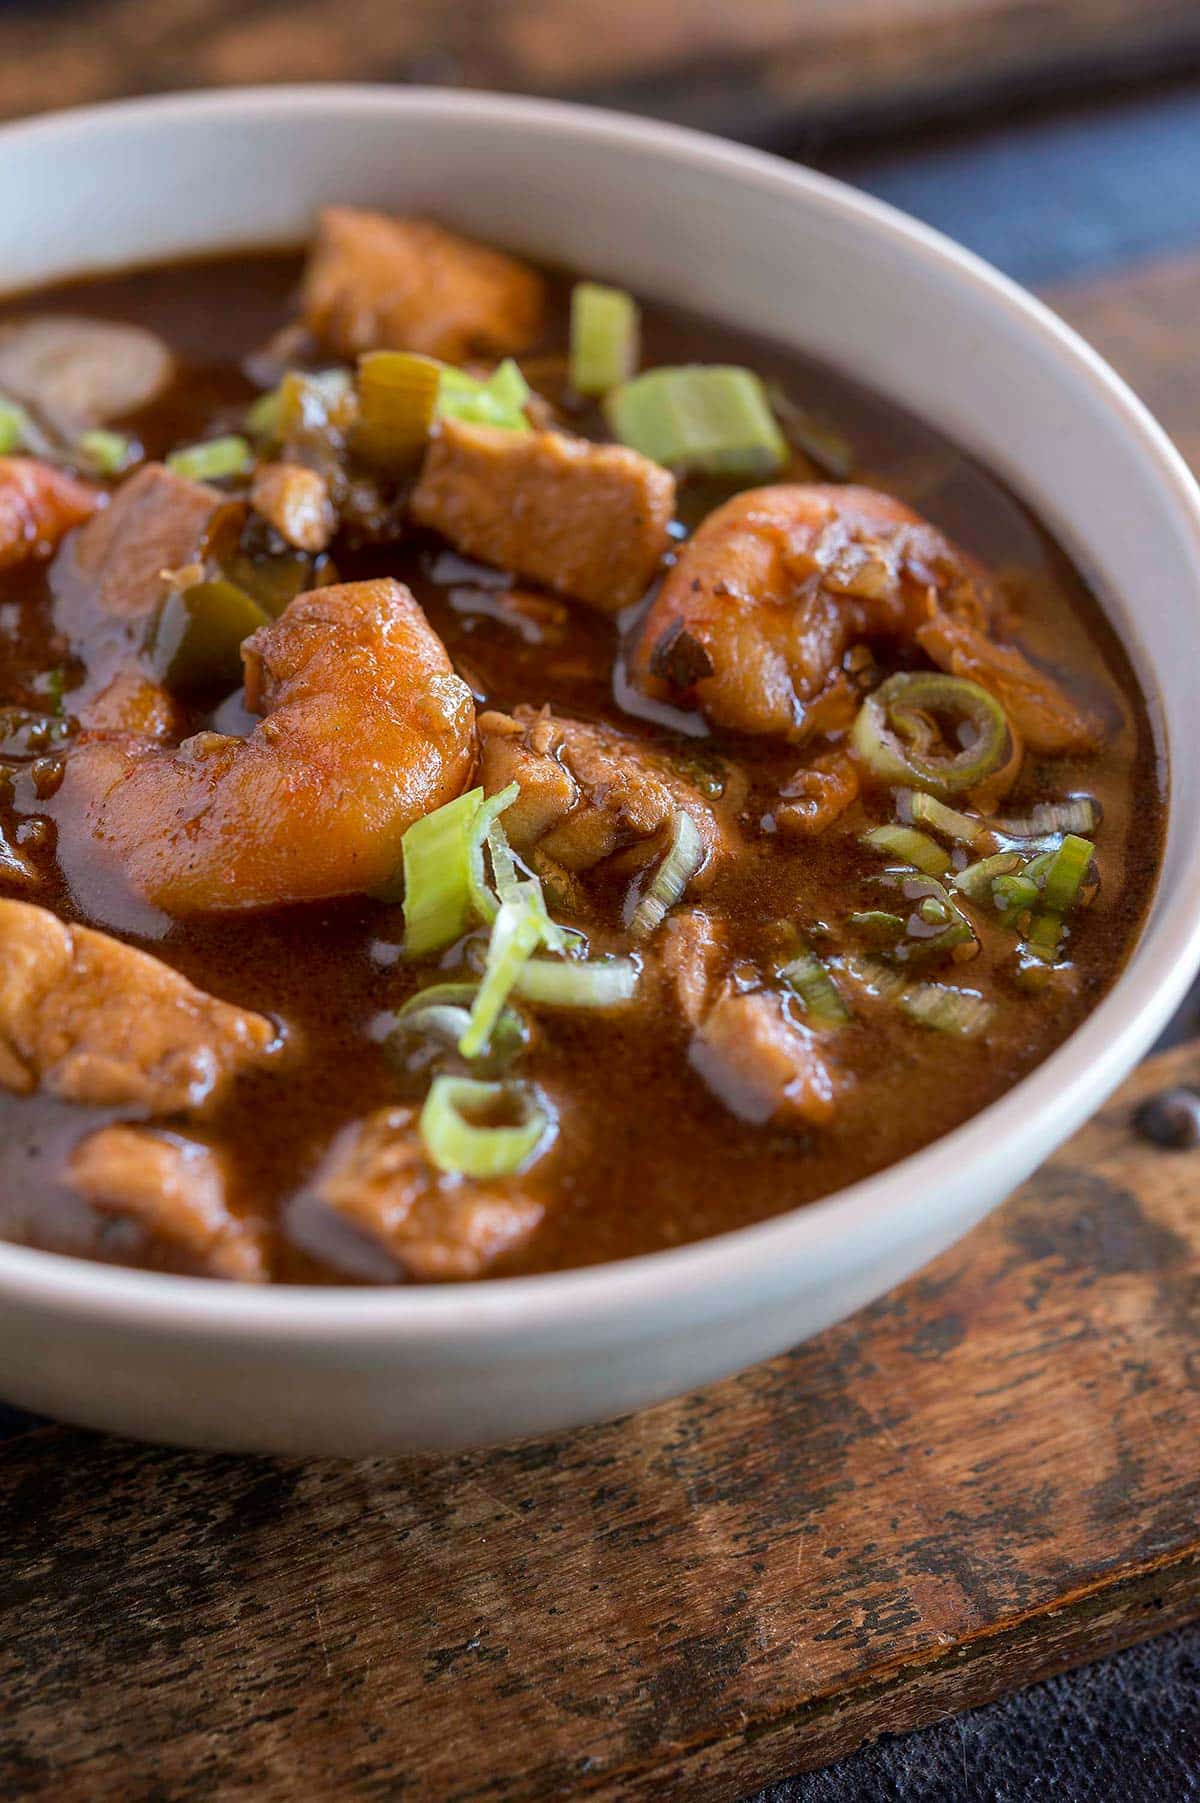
(1067, 873)
(699, 419)
(440, 1015)
(457, 1130)
(565, 983)
(436, 853)
(685, 854)
(215, 460)
(517, 931)
(977, 879)
(888, 734)
(604, 337)
(486, 829)
(918, 808)
(910, 847)
(810, 981)
(959, 1011)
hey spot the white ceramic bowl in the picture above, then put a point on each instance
(737, 236)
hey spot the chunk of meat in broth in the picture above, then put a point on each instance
(378, 1181)
(378, 283)
(91, 1020)
(107, 582)
(591, 796)
(760, 1063)
(174, 1189)
(588, 520)
(38, 506)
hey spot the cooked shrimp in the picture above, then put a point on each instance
(365, 728)
(755, 618)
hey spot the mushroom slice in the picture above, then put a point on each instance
(75, 373)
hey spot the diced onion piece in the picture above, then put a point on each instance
(195, 635)
(959, 1011)
(1078, 814)
(1067, 873)
(458, 1142)
(910, 847)
(977, 879)
(887, 732)
(214, 460)
(595, 983)
(917, 808)
(605, 326)
(397, 400)
(498, 401)
(685, 854)
(811, 983)
(436, 853)
(699, 419)
(516, 934)
(106, 453)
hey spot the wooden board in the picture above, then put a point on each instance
(987, 1477)
(757, 67)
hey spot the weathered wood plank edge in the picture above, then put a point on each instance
(1077, 1629)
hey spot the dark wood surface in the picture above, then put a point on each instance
(989, 1476)
(753, 67)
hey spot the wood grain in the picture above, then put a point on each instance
(755, 66)
(986, 1477)
(989, 1476)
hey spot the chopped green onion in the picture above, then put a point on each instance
(214, 460)
(1078, 814)
(594, 983)
(918, 808)
(498, 401)
(822, 444)
(933, 912)
(14, 427)
(517, 931)
(1067, 873)
(441, 1014)
(107, 453)
(959, 1011)
(1044, 938)
(877, 926)
(1015, 893)
(438, 877)
(685, 854)
(811, 983)
(485, 829)
(910, 847)
(262, 417)
(977, 879)
(459, 1144)
(882, 979)
(397, 400)
(195, 635)
(1036, 868)
(892, 736)
(604, 337)
(699, 419)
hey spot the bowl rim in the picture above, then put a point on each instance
(1073, 1079)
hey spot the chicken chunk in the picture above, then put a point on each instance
(759, 1062)
(762, 1065)
(377, 283)
(38, 506)
(156, 521)
(588, 520)
(377, 1180)
(174, 1188)
(589, 793)
(297, 503)
(92, 1020)
(1049, 722)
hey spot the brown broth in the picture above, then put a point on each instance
(647, 1157)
